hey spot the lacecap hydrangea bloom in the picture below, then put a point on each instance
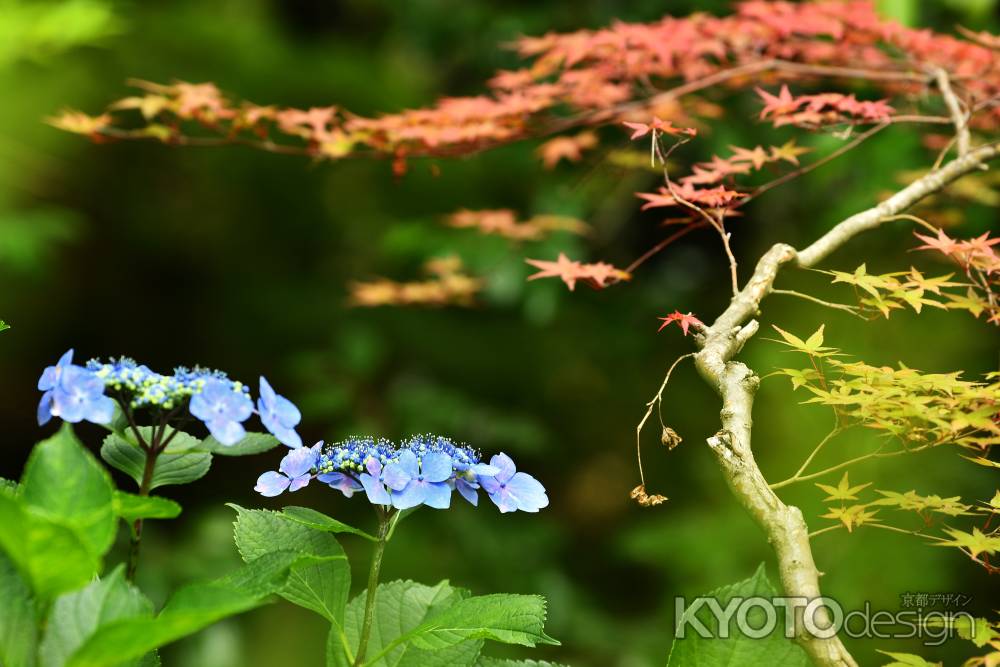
(77, 393)
(423, 470)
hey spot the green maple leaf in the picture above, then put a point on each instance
(976, 542)
(843, 490)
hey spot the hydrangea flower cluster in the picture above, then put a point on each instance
(423, 470)
(77, 393)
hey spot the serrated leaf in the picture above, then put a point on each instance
(401, 606)
(77, 615)
(843, 490)
(252, 443)
(173, 466)
(507, 618)
(975, 542)
(319, 521)
(131, 507)
(321, 588)
(18, 623)
(65, 484)
(189, 610)
(694, 650)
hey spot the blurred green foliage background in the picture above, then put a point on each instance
(239, 260)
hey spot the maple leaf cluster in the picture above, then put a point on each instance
(592, 76)
(504, 222)
(448, 285)
(921, 410)
(980, 261)
(569, 148)
(811, 111)
(598, 275)
(686, 193)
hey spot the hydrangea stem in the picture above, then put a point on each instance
(385, 524)
(136, 541)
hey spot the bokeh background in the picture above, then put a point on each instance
(240, 260)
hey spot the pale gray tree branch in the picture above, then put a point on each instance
(736, 384)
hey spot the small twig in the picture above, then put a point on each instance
(822, 443)
(961, 120)
(877, 454)
(838, 306)
(813, 165)
(649, 411)
(663, 244)
(716, 223)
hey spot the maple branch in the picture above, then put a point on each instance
(801, 171)
(894, 205)
(737, 384)
(663, 244)
(958, 117)
(829, 304)
(877, 454)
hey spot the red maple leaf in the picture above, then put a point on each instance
(780, 104)
(658, 125)
(597, 275)
(686, 321)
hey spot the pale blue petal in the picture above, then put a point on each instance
(467, 491)
(225, 431)
(271, 484)
(528, 492)
(45, 408)
(436, 466)
(414, 494)
(506, 466)
(408, 462)
(299, 482)
(377, 495)
(438, 496)
(100, 410)
(395, 477)
(298, 462)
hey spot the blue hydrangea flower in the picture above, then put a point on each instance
(279, 415)
(426, 480)
(423, 470)
(223, 406)
(294, 473)
(511, 490)
(73, 394)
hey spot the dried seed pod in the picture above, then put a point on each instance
(670, 438)
(639, 495)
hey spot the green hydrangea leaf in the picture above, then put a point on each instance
(322, 588)
(319, 521)
(65, 484)
(18, 631)
(77, 615)
(737, 649)
(176, 465)
(131, 507)
(400, 607)
(252, 443)
(189, 610)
